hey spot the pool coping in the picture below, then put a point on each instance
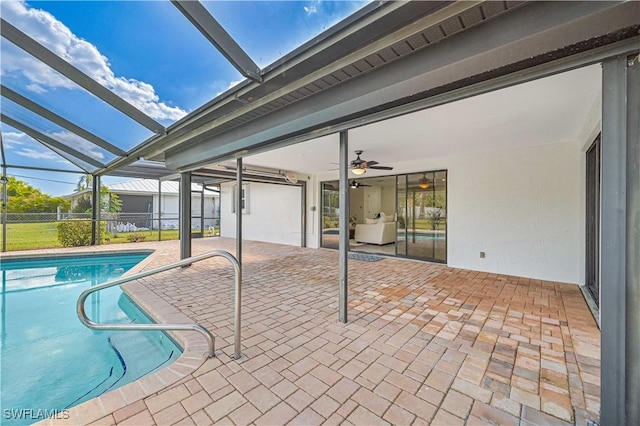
(194, 354)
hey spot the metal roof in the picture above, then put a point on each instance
(150, 186)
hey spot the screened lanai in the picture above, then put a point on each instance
(73, 103)
(69, 106)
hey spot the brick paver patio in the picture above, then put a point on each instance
(425, 344)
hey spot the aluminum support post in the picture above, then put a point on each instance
(185, 215)
(344, 226)
(620, 242)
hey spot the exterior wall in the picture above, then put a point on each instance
(274, 213)
(523, 207)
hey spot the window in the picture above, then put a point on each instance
(245, 199)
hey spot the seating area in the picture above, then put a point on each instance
(379, 230)
(376, 233)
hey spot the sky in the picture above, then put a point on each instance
(148, 53)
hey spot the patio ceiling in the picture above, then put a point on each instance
(549, 110)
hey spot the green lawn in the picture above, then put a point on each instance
(31, 236)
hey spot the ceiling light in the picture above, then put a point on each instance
(423, 182)
(358, 170)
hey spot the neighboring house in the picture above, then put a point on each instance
(143, 203)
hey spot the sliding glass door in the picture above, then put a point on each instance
(422, 216)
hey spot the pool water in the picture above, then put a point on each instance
(50, 361)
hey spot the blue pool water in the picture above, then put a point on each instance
(50, 361)
(424, 235)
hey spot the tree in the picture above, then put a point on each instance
(83, 205)
(24, 198)
(109, 202)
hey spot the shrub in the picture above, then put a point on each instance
(75, 233)
(135, 237)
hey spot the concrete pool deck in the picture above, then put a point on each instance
(425, 344)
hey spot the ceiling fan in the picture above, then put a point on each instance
(354, 184)
(359, 166)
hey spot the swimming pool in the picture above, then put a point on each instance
(50, 361)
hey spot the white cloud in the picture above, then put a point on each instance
(311, 9)
(53, 34)
(36, 88)
(37, 154)
(23, 144)
(12, 139)
(79, 144)
(18, 143)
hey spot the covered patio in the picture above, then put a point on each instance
(425, 344)
(331, 339)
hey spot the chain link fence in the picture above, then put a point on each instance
(26, 231)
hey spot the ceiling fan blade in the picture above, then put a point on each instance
(381, 167)
(369, 164)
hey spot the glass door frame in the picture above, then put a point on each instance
(404, 252)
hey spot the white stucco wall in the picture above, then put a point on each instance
(523, 207)
(274, 213)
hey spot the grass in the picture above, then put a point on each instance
(31, 236)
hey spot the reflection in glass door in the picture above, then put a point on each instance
(422, 205)
(401, 214)
(330, 214)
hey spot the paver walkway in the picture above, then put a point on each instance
(425, 344)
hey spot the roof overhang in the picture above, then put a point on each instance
(402, 74)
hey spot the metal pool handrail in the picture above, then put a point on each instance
(194, 327)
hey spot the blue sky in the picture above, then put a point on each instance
(146, 52)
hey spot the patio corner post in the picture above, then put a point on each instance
(343, 301)
(303, 214)
(633, 241)
(185, 215)
(238, 295)
(620, 242)
(238, 209)
(96, 204)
